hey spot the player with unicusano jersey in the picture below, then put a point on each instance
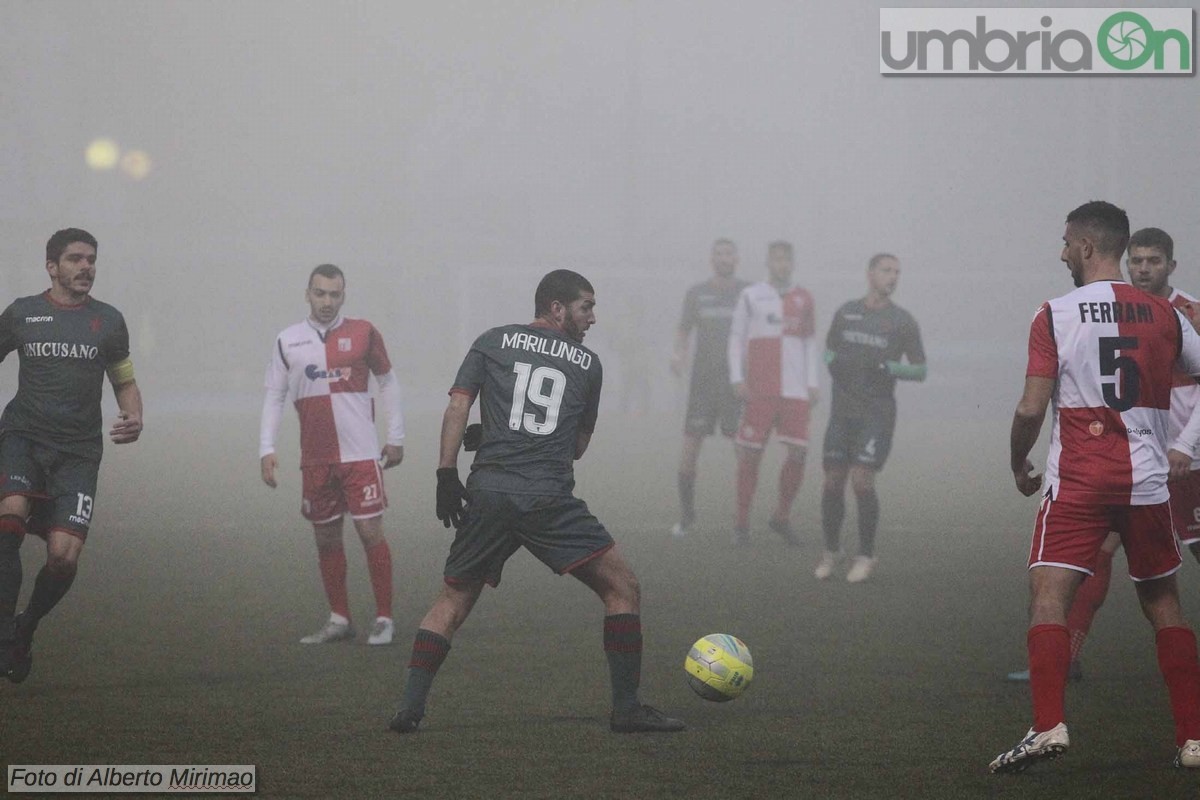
(712, 403)
(68, 343)
(871, 344)
(539, 393)
(325, 364)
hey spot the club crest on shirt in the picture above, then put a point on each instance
(1096, 428)
(344, 344)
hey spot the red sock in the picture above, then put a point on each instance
(747, 480)
(1049, 659)
(333, 574)
(379, 565)
(790, 478)
(1181, 670)
(1088, 599)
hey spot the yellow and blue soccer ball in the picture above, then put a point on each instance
(719, 667)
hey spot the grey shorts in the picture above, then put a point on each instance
(558, 530)
(61, 486)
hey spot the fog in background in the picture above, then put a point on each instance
(447, 154)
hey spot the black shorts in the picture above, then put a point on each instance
(711, 402)
(61, 485)
(864, 440)
(559, 531)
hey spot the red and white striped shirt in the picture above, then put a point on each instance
(1185, 394)
(326, 373)
(773, 347)
(1113, 350)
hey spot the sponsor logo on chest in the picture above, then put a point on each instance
(331, 374)
(87, 352)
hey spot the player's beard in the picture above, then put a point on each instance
(573, 330)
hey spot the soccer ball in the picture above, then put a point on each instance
(719, 667)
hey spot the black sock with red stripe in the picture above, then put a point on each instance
(428, 652)
(12, 533)
(623, 647)
(868, 522)
(687, 498)
(50, 586)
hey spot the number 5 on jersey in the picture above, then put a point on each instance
(531, 386)
(1131, 376)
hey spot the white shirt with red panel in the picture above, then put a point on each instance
(1113, 350)
(773, 347)
(326, 372)
(1185, 394)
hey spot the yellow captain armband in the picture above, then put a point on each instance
(121, 373)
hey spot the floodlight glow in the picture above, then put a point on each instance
(136, 164)
(102, 154)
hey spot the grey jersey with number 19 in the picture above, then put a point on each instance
(537, 389)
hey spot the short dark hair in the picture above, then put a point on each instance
(875, 259)
(781, 245)
(1154, 237)
(58, 243)
(1108, 225)
(562, 285)
(327, 271)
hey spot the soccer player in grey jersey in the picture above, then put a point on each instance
(50, 432)
(539, 392)
(872, 343)
(712, 402)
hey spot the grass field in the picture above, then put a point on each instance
(178, 643)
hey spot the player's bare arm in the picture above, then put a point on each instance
(451, 494)
(1179, 465)
(1027, 424)
(679, 353)
(454, 423)
(268, 464)
(391, 455)
(128, 426)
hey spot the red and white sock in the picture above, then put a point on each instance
(332, 561)
(379, 565)
(1049, 660)
(1181, 671)
(1088, 598)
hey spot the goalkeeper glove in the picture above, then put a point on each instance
(472, 437)
(451, 496)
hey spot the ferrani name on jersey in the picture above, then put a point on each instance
(1111, 349)
(556, 348)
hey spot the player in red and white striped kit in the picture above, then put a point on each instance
(774, 366)
(1105, 355)
(1150, 264)
(324, 363)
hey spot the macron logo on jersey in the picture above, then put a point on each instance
(40, 319)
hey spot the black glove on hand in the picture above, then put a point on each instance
(451, 495)
(473, 437)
